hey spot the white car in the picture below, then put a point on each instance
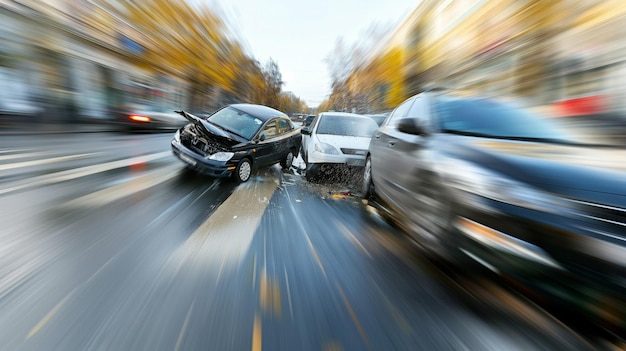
(334, 139)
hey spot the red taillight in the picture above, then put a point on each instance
(140, 118)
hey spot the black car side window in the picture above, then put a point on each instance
(283, 126)
(400, 112)
(270, 130)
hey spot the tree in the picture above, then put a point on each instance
(188, 41)
(273, 84)
(356, 74)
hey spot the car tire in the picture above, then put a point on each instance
(312, 172)
(243, 171)
(303, 155)
(368, 186)
(287, 161)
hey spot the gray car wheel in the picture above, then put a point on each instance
(312, 172)
(287, 161)
(368, 186)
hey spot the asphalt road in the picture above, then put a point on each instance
(106, 243)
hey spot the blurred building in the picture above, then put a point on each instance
(64, 60)
(565, 54)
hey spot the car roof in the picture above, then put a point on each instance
(340, 114)
(260, 111)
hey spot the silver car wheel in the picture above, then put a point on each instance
(244, 170)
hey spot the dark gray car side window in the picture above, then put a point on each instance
(270, 130)
(400, 112)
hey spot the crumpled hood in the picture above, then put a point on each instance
(211, 131)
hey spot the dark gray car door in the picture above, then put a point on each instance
(385, 156)
(418, 191)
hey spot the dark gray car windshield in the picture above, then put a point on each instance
(347, 125)
(493, 119)
(238, 122)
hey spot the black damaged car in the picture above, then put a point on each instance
(236, 140)
(475, 180)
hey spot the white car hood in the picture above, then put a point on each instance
(343, 141)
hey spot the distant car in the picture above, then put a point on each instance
(336, 138)
(147, 117)
(236, 140)
(308, 120)
(477, 180)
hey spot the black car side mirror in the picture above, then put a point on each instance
(262, 137)
(305, 131)
(411, 126)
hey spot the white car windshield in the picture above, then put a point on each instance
(347, 125)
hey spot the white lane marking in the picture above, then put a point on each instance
(346, 232)
(24, 155)
(183, 330)
(288, 291)
(71, 174)
(44, 161)
(222, 239)
(119, 191)
(8, 151)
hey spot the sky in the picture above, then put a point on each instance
(299, 35)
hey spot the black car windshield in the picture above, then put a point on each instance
(493, 119)
(347, 125)
(238, 122)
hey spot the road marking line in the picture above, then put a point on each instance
(353, 239)
(288, 292)
(183, 330)
(45, 161)
(48, 317)
(315, 255)
(257, 337)
(254, 272)
(71, 174)
(13, 150)
(224, 238)
(355, 319)
(24, 155)
(128, 188)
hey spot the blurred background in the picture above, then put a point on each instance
(64, 61)
(68, 61)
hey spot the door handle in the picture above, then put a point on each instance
(376, 136)
(392, 143)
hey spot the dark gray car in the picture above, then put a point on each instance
(477, 182)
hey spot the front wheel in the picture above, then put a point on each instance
(312, 172)
(243, 171)
(287, 161)
(368, 186)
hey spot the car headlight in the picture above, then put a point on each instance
(326, 148)
(479, 181)
(177, 136)
(221, 156)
